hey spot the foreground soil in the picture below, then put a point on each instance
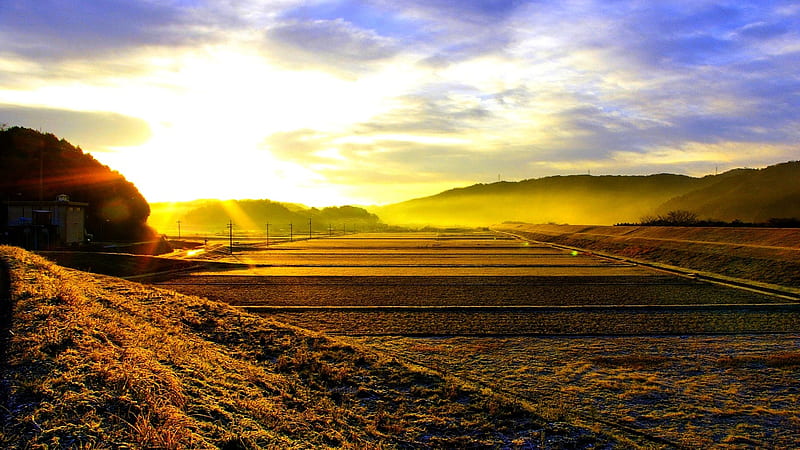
(91, 361)
(768, 255)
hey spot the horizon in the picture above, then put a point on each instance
(276, 200)
(372, 103)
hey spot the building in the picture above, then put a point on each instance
(40, 225)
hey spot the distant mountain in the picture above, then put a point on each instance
(206, 216)
(39, 166)
(605, 200)
(748, 195)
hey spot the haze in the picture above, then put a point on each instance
(336, 102)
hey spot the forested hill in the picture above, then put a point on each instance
(35, 165)
(748, 195)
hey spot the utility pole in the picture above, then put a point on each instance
(267, 234)
(230, 236)
(309, 229)
(330, 230)
(179, 229)
(41, 173)
(291, 231)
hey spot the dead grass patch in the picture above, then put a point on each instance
(777, 360)
(638, 362)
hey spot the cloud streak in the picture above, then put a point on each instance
(95, 130)
(56, 29)
(327, 45)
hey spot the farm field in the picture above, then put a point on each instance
(692, 391)
(598, 341)
(767, 255)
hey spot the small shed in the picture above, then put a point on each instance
(39, 225)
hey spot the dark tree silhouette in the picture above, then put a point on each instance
(36, 166)
(671, 219)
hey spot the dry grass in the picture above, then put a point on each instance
(97, 362)
(780, 360)
(696, 391)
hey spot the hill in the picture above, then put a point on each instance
(35, 166)
(572, 199)
(606, 200)
(252, 215)
(747, 195)
(90, 361)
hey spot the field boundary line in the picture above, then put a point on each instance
(726, 307)
(563, 335)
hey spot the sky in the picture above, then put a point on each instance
(373, 102)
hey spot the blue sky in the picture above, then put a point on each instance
(334, 102)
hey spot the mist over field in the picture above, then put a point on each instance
(741, 195)
(746, 195)
(252, 216)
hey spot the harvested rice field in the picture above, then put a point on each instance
(678, 360)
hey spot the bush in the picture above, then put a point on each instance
(672, 218)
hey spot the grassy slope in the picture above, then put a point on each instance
(758, 254)
(95, 361)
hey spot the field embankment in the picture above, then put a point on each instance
(117, 264)
(766, 255)
(94, 361)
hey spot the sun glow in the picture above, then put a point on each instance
(211, 114)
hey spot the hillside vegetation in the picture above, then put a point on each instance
(90, 361)
(117, 211)
(747, 195)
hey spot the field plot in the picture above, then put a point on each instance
(490, 284)
(694, 391)
(506, 291)
(595, 340)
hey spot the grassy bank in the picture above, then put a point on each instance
(97, 362)
(758, 254)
